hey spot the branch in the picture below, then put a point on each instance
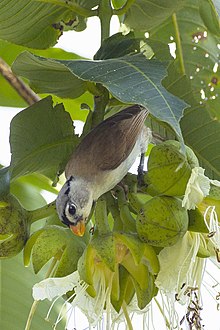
(21, 88)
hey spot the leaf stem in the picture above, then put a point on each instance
(42, 212)
(123, 9)
(21, 88)
(178, 43)
(36, 302)
(80, 10)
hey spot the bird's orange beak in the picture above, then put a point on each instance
(79, 228)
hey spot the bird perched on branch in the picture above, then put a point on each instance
(100, 162)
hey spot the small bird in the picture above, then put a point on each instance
(100, 162)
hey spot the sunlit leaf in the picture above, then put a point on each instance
(38, 24)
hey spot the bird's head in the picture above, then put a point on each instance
(74, 204)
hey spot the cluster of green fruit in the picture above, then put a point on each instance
(130, 229)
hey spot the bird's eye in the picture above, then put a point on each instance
(72, 209)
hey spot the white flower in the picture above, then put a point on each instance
(51, 288)
(197, 188)
(179, 267)
(211, 221)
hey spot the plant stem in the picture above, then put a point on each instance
(83, 11)
(105, 15)
(178, 43)
(100, 103)
(21, 88)
(123, 9)
(42, 212)
(36, 302)
(101, 217)
(128, 320)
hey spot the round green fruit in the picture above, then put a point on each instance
(162, 221)
(169, 169)
(14, 228)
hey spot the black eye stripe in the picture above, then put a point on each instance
(65, 221)
(67, 191)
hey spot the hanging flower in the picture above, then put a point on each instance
(197, 188)
(211, 220)
(179, 266)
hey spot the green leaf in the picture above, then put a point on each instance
(16, 298)
(201, 132)
(30, 23)
(131, 79)
(37, 24)
(209, 16)
(118, 45)
(144, 14)
(134, 79)
(199, 50)
(41, 139)
(9, 52)
(48, 76)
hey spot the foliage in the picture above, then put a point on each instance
(137, 66)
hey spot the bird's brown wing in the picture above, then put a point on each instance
(108, 144)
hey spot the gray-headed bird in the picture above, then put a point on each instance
(100, 162)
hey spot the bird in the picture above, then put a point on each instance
(100, 162)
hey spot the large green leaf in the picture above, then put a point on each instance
(46, 76)
(38, 24)
(200, 131)
(134, 79)
(145, 14)
(30, 23)
(199, 50)
(16, 284)
(9, 52)
(41, 139)
(131, 79)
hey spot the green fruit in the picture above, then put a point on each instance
(14, 227)
(162, 221)
(169, 169)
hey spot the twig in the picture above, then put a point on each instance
(21, 88)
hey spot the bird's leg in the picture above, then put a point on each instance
(140, 176)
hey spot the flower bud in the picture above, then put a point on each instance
(14, 228)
